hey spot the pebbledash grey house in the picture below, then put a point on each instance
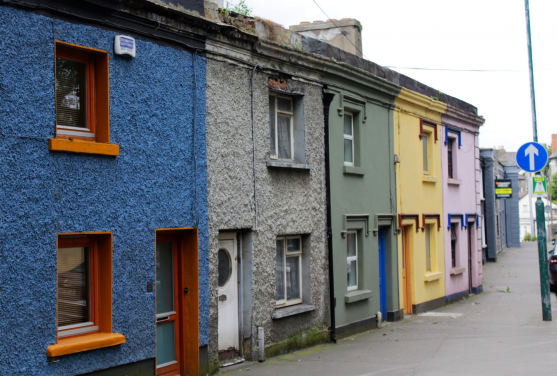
(266, 196)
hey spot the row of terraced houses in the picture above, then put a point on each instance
(185, 188)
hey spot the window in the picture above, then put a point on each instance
(428, 248)
(281, 120)
(352, 259)
(81, 100)
(77, 287)
(289, 270)
(348, 139)
(75, 93)
(425, 138)
(453, 244)
(450, 146)
(525, 208)
(84, 294)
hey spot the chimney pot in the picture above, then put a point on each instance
(332, 19)
(345, 19)
(317, 21)
(553, 143)
(304, 22)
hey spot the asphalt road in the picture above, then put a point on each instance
(494, 333)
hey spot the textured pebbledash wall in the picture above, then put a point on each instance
(290, 201)
(152, 184)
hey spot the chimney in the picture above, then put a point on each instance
(345, 33)
(553, 143)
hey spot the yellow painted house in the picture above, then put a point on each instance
(417, 120)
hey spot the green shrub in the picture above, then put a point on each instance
(534, 238)
(527, 237)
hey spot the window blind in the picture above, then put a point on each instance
(73, 286)
(71, 93)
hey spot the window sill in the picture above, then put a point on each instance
(83, 147)
(87, 342)
(457, 271)
(296, 166)
(292, 310)
(357, 295)
(454, 181)
(429, 179)
(349, 170)
(433, 276)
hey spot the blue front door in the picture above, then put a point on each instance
(382, 275)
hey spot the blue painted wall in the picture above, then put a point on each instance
(152, 184)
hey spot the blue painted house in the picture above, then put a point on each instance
(103, 191)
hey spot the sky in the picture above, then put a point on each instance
(461, 35)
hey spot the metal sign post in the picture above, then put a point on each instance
(531, 151)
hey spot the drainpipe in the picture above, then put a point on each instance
(327, 99)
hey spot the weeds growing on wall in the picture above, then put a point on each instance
(240, 8)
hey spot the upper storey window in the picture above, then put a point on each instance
(281, 119)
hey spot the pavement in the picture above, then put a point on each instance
(498, 332)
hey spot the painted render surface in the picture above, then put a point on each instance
(420, 194)
(363, 197)
(154, 183)
(461, 195)
(290, 201)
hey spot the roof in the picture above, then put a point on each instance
(553, 156)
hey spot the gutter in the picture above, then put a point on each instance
(327, 99)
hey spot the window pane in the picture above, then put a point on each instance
(293, 278)
(352, 271)
(272, 125)
(426, 156)
(293, 245)
(348, 154)
(166, 351)
(224, 267)
(71, 93)
(427, 248)
(280, 269)
(351, 241)
(284, 138)
(74, 301)
(284, 104)
(348, 125)
(165, 278)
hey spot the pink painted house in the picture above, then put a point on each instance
(462, 195)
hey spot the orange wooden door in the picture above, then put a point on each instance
(169, 306)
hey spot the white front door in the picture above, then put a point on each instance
(228, 297)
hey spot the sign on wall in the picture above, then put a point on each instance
(503, 188)
(540, 187)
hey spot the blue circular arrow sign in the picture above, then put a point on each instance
(531, 157)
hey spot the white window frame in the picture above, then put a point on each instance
(291, 116)
(348, 137)
(425, 139)
(284, 302)
(352, 258)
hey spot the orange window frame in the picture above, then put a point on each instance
(64, 242)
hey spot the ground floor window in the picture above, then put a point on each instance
(352, 260)
(289, 270)
(77, 286)
(454, 239)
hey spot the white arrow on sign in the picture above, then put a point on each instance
(531, 151)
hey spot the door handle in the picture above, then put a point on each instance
(222, 298)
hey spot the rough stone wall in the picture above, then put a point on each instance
(290, 201)
(150, 185)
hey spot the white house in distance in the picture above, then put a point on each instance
(524, 213)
